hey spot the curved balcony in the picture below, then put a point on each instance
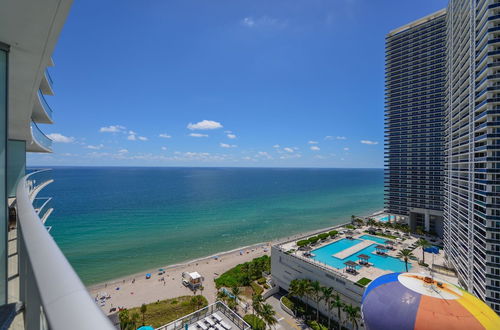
(39, 141)
(52, 293)
(46, 84)
(42, 112)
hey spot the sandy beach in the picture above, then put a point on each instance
(134, 290)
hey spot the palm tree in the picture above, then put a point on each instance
(352, 314)
(305, 291)
(327, 296)
(337, 303)
(268, 315)
(405, 254)
(315, 289)
(424, 244)
(257, 301)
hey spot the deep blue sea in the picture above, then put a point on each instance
(116, 221)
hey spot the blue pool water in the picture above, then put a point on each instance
(379, 240)
(324, 255)
(384, 219)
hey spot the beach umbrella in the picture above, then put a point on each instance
(415, 301)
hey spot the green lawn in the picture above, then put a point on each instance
(364, 281)
(166, 311)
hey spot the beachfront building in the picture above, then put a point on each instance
(472, 142)
(38, 287)
(345, 262)
(414, 122)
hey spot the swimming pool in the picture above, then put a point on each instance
(379, 240)
(385, 218)
(324, 255)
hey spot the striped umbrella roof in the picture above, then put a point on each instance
(414, 301)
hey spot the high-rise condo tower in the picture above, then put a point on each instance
(472, 143)
(414, 122)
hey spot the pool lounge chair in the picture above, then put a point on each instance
(217, 317)
(209, 321)
(218, 327)
(201, 325)
(225, 325)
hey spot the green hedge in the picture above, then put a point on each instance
(323, 236)
(255, 322)
(350, 226)
(288, 303)
(302, 243)
(261, 280)
(313, 239)
(333, 233)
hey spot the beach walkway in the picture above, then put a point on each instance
(353, 249)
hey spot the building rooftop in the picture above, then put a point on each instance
(216, 316)
(418, 22)
(370, 270)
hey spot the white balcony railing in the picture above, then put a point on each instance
(53, 295)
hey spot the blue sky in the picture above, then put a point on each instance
(223, 83)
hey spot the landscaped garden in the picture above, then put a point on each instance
(160, 313)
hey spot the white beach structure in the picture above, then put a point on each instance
(192, 280)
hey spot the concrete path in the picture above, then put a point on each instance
(353, 249)
(285, 320)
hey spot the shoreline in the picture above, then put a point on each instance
(135, 289)
(268, 244)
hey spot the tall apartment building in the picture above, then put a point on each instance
(414, 122)
(472, 143)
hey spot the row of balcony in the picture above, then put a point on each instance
(42, 114)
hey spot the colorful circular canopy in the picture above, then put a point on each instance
(413, 301)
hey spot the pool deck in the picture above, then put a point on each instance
(371, 271)
(353, 249)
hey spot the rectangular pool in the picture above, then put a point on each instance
(324, 255)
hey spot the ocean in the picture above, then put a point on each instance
(115, 221)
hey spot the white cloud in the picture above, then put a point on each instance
(204, 125)
(131, 137)
(368, 142)
(142, 138)
(57, 137)
(276, 146)
(122, 151)
(314, 148)
(263, 154)
(198, 135)
(346, 149)
(264, 21)
(97, 147)
(248, 21)
(329, 137)
(164, 148)
(313, 142)
(288, 149)
(225, 145)
(165, 136)
(112, 129)
(231, 136)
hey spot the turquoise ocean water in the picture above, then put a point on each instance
(116, 221)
